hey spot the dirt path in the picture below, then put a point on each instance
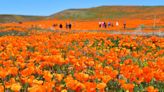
(141, 33)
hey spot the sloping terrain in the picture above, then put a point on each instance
(112, 12)
(19, 18)
(96, 13)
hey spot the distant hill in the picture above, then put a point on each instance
(112, 12)
(102, 12)
(19, 18)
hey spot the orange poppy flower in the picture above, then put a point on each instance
(151, 89)
(16, 87)
(101, 86)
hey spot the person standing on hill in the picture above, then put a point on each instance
(60, 26)
(109, 24)
(105, 25)
(70, 26)
(124, 25)
(54, 26)
(100, 24)
(117, 24)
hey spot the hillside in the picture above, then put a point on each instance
(112, 12)
(18, 18)
(102, 12)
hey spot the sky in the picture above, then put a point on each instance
(48, 7)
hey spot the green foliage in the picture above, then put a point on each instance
(13, 33)
(113, 86)
(30, 49)
(25, 87)
(108, 12)
(142, 26)
(18, 18)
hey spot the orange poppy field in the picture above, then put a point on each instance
(81, 46)
(78, 25)
(50, 61)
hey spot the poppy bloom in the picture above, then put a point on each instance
(128, 87)
(1, 88)
(151, 89)
(101, 86)
(59, 77)
(16, 87)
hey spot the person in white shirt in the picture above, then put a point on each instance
(117, 24)
(100, 25)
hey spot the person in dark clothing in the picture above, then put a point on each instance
(124, 25)
(60, 26)
(105, 25)
(70, 25)
(20, 22)
(54, 25)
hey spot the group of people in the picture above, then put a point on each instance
(109, 24)
(101, 25)
(67, 25)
